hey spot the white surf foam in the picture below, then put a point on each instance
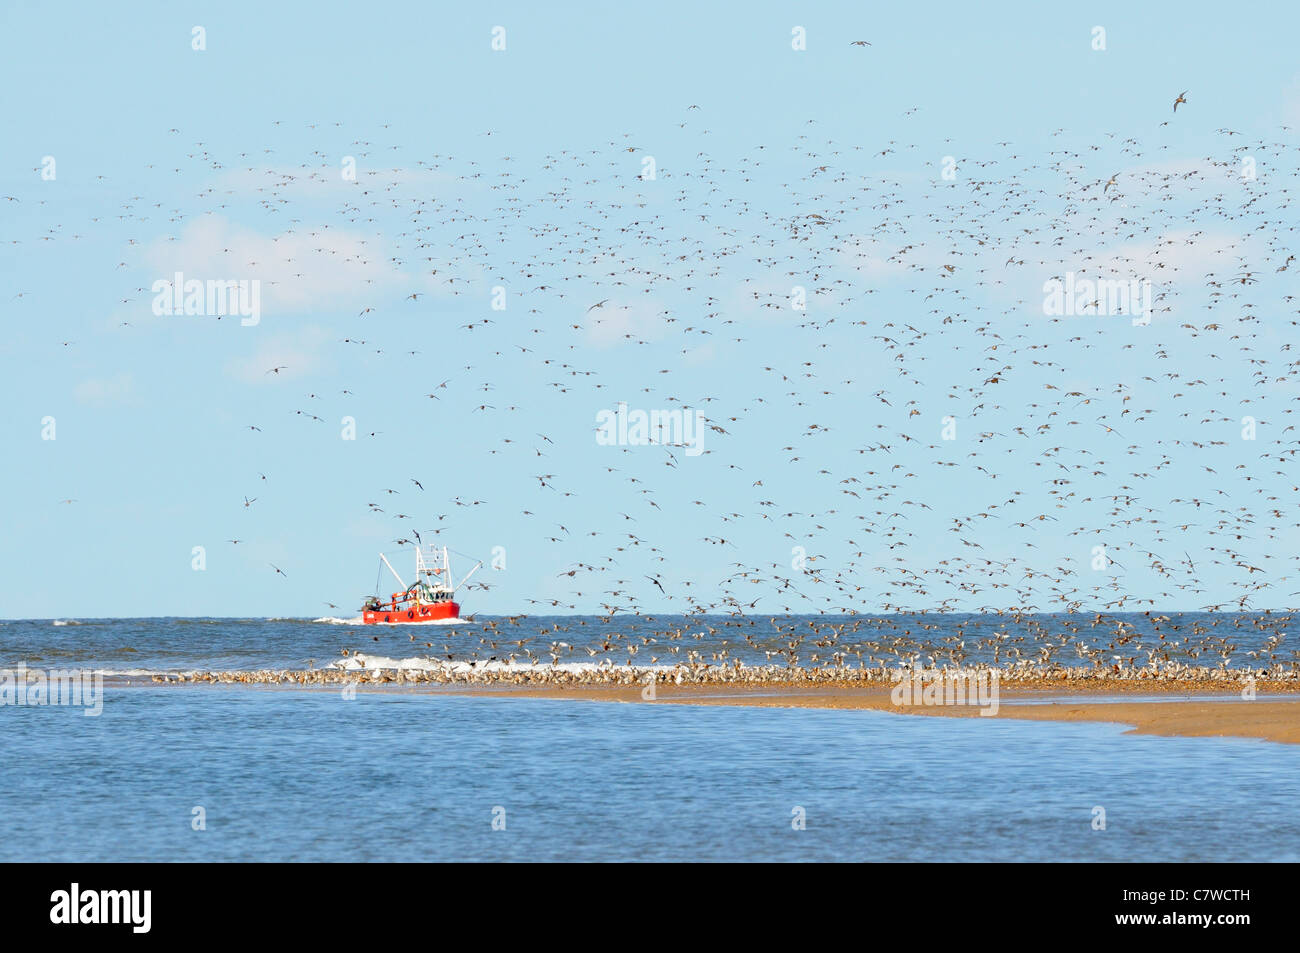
(427, 622)
(331, 620)
(360, 662)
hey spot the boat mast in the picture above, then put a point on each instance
(392, 570)
(467, 575)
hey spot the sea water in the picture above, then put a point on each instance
(207, 773)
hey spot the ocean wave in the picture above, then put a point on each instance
(429, 622)
(331, 620)
(34, 666)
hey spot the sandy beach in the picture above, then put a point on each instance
(1275, 719)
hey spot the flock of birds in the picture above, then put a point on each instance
(957, 447)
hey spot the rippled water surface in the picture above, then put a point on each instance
(311, 775)
(135, 645)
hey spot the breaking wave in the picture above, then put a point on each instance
(331, 620)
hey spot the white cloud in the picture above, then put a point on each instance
(1291, 103)
(304, 270)
(298, 353)
(105, 390)
(610, 324)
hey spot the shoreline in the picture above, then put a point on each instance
(1276, 720)
(1215, 707)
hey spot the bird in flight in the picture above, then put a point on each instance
(1182, 98)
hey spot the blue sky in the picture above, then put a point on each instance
(520, 169)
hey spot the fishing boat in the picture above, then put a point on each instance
(431, 598)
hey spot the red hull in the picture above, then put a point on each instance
(411, 612)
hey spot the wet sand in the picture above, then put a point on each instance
(1269, 720)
